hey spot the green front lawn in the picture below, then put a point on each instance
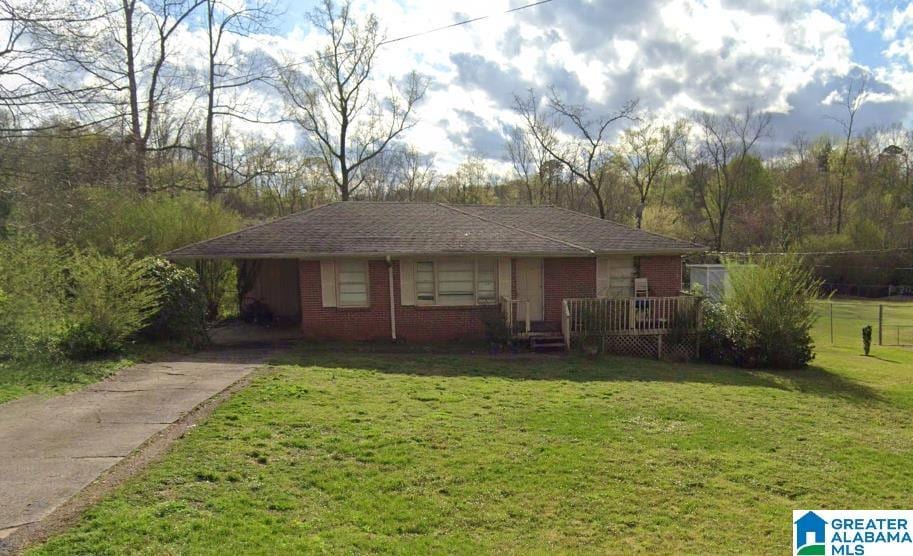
(358, 452)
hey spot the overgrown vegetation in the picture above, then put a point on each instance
(79, 303)
(110, 299)
(181, 316)
(767, 316)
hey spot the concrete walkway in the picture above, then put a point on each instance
(50, 449)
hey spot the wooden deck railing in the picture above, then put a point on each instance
(515, 323)
(641, 315)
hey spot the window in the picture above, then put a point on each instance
(352, 283)
(424, 282)
(456, 282)
(486, 285)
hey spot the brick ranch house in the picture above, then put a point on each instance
(425, 272)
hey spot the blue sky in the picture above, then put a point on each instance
(793, 58)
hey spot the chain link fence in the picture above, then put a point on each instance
(840, 323)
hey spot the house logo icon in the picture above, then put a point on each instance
(810, 535)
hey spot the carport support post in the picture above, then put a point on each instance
(880, 321)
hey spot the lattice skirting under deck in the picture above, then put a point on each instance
(653, 346)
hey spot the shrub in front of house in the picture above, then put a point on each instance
(85, 340)
(726, 338)
(112, 297)
(181, 315)
(766, 317)
(33, 279)
(497, 332)
(78, 303)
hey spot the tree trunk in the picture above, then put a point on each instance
(719, 231)
(599, 202)
(137, 141)
(840, 189)
(212, 188)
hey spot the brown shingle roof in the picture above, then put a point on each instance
(369, 229)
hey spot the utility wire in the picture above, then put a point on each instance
(464, 22)
(308, 60)
(809, 253)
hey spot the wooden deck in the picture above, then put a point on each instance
(644, 321)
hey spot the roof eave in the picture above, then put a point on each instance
(413, 254)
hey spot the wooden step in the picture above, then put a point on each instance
(550, 341)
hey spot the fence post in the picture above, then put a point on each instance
(880, 322)
(831, 303)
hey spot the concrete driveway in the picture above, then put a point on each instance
(50, 449)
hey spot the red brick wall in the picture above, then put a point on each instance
(663, 274)
(564, 277)
(567, 278)
(413, 324)
(349, 323)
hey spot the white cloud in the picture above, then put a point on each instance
(677, 56)
(897, 20)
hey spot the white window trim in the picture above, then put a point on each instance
(339, 302)
(435, 264)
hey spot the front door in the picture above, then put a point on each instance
(529, 288)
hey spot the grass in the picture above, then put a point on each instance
(850, 315)
(331, 451)
(50, 377)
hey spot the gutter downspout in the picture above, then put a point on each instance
(392, 299)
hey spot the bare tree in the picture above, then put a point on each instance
(296, 182)
(123, 55)
(333, 101)
(520, 151)
(417, 173)
(853, 98)
(381, 174)
(230, 70)
(29, 101)
(717, 164)
(471, 183)
(586, 151)
(530, 162)
(645, 154)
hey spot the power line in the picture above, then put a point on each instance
(422, 33)
(464, 22)
(810, 253)
(842, 267)
(310, 59)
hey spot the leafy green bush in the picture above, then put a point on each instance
(112, 297)
(182, 312)
(84, 341)
(35, 307)
(152, 224)
(218, 279)
(496, 330)
(726, 339)
(767, 316)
